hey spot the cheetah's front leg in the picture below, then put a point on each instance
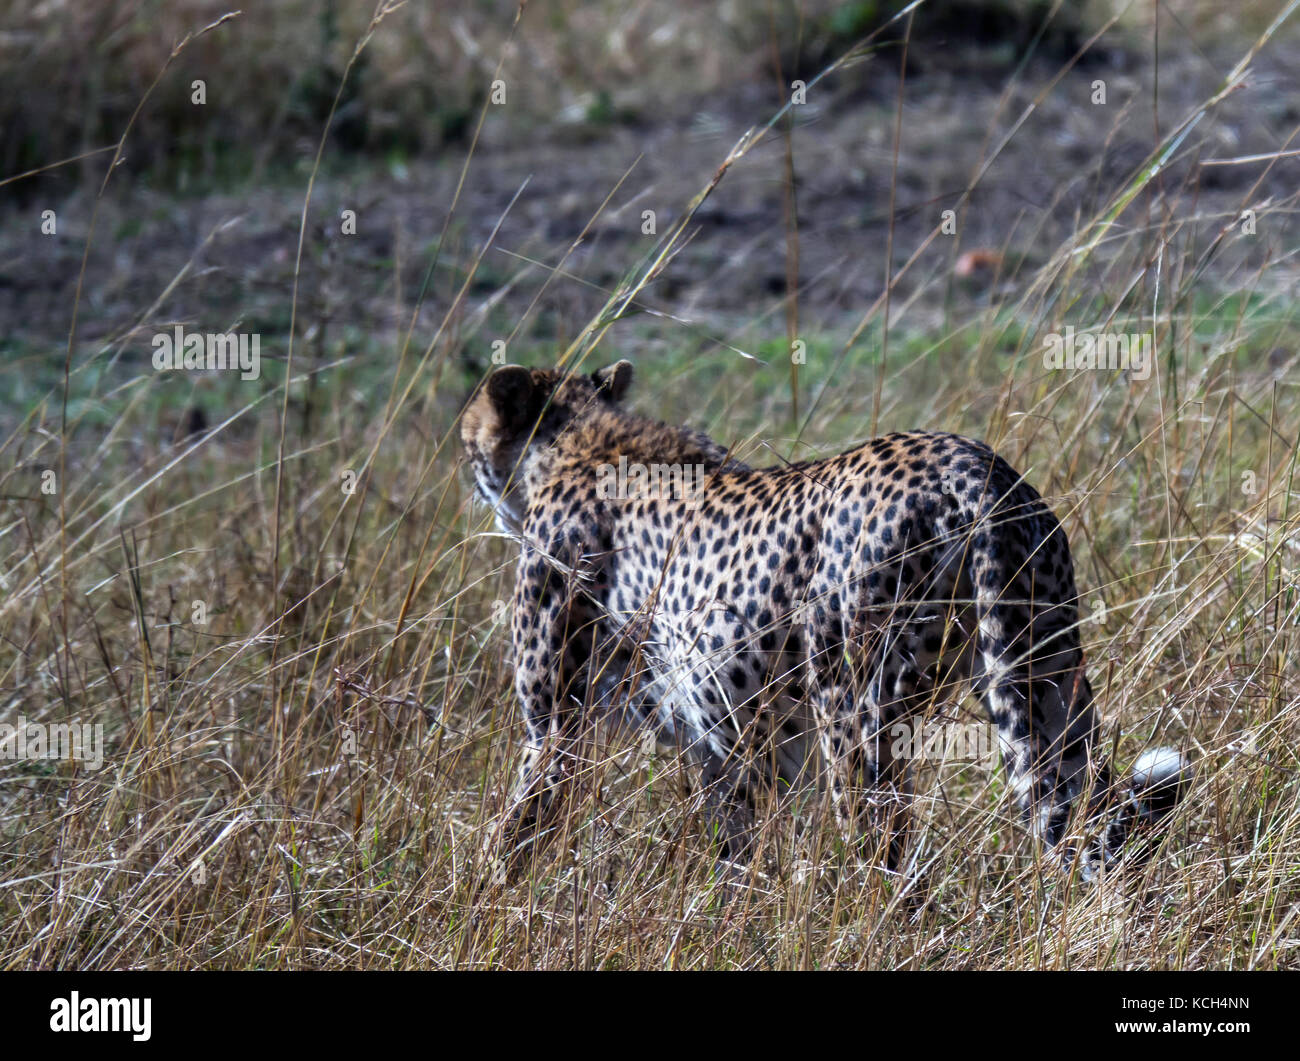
(551, 635)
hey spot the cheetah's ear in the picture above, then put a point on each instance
(513, 395)
(613, 380)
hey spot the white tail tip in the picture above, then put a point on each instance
(1159, 777)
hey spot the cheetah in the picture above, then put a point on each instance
(779, 624)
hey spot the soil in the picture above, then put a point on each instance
(234, 251)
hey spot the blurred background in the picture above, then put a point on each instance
(606, 111)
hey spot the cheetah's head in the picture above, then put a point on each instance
(519, 410)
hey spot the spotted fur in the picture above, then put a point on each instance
(781, 622)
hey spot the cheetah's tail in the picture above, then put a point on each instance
(1159, 779)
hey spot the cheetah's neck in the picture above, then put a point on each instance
(605, 437)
